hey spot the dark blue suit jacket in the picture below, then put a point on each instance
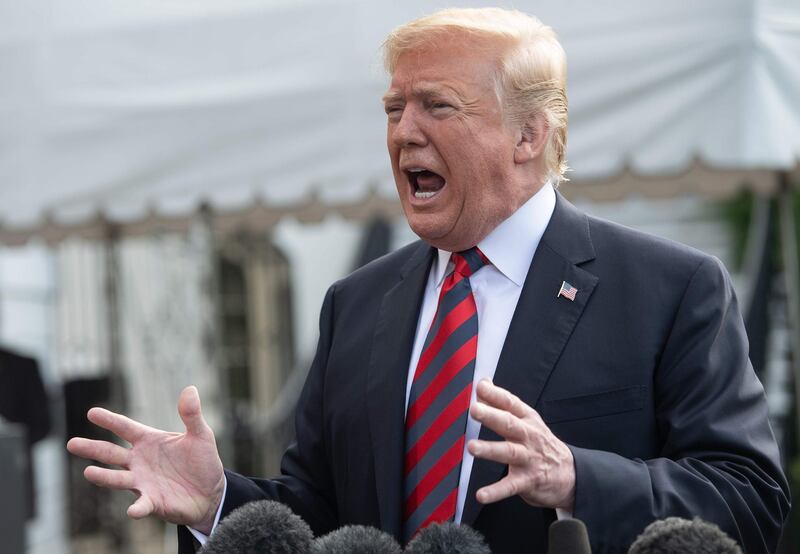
(645, 376)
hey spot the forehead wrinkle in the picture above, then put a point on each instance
(430, 90)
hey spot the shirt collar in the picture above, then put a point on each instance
(511, 245)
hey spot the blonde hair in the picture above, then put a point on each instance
(532, 77)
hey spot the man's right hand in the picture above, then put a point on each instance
(178, 476)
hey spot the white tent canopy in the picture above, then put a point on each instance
(135, 111)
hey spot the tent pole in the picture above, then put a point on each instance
(213, 342)
(111, 290)
(788, 229)
(118, 526)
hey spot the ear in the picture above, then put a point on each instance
(531, 139)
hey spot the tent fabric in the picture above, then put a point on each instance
(126, 111)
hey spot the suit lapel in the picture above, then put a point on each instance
(541, 326)
(388, 370)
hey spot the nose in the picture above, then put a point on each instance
(407, 131)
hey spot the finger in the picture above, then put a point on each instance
(143, 507)
(504, 452)
(101, 451)
(109, 478)
(124, 427)
(507, 487)
(191, 413)
(500, 398)
(504, 423)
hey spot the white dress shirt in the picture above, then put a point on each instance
(510, 248)
(496, 287)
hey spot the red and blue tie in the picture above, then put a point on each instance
(436, 418)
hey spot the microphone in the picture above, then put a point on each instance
(261, 527)
(568, 536)
(447, 538)
(356, 539)
(676, 535)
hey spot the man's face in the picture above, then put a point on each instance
(451, 150)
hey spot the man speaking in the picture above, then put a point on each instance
(523, 362)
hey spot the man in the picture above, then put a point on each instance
(605, 372)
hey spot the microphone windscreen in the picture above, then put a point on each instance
(447, 538)
(356, 539)
(568, 536)
(261, 527)
(677, 535)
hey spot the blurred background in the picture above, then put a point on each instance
(181, 181)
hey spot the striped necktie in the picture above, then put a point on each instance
(436, 418)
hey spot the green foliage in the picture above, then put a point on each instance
(794, 474)
(737, 213)
(796, 203)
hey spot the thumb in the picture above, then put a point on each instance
(143, 507)
(190, 412)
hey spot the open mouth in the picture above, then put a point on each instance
(424, 182)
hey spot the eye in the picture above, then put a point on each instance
(440, 108)
(394, 111)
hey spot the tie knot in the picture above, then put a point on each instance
(469, 261)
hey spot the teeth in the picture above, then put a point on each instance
(422, 194)
(416, 170)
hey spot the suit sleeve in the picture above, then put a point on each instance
(719, 460)
(305, 483)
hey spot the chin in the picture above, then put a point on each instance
(442, 234)
(445, 241)
(429, 233)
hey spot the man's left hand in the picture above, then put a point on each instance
(541, 468)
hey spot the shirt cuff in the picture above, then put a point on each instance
(200, 536)
(560, 514)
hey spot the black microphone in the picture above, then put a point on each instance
(568, 536)
(676, 535)
(447, 538)
(261, 527)
(356, 539)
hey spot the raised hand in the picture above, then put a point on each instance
(178, 477)
(541, 468)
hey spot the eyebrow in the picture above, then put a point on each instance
(391, 96)
(424, 92)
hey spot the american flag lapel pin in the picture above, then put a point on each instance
(567, 291)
